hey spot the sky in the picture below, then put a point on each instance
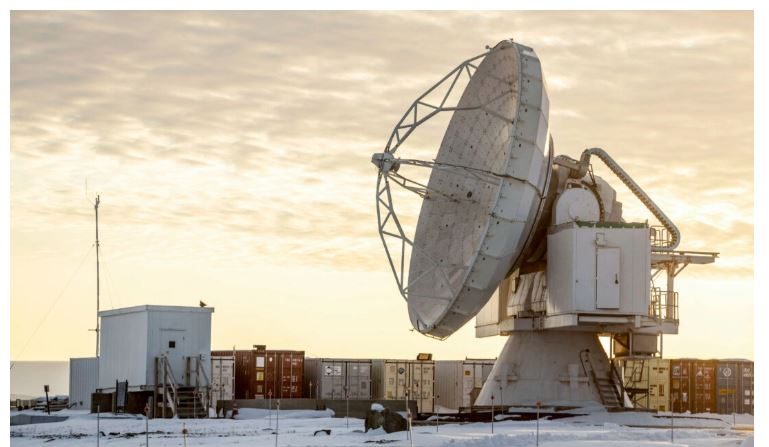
(231, 152)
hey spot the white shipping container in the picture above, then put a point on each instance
(394, 379)
(222, 379)
(83, 380)
(458, 382)
(328, 378)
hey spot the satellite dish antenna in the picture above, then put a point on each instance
(523, 239)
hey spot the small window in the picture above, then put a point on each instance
(662, 390)
(171, 344)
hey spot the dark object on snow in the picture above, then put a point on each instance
(390, 421)
(325, 430)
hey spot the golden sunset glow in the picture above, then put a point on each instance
(231, 152)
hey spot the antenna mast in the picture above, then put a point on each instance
(96, 209)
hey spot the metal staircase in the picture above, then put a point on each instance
(190, 403)
(605, 383)
(187, 400)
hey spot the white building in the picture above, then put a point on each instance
(138, 342)
(83, 381)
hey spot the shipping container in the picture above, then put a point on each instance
(326, 378)
(693, 385)
(680, 385)
(734, 386)
(394, 379)
(284, 374)
(458, 382)
(647, 381)
(250, 365)
(222, 378)
(704, 386)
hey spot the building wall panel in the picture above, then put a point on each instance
(83, 381)
(123, 346)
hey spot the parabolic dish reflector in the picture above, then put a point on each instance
(490, 176)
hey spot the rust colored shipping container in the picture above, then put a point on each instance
(249, 371)
(284, 374)
(704, 386)
(693, 385)
(681, 385)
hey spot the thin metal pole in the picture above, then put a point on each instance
(538, 405)
(492, 414)
(277, 422)
(347, 407)
(671, 426)
(734, 396)
(96, 209)
(165, 385)
(411, 435)
(408, 421)
(437, 415)
(408, 413)
(147, 429)
(269, 411)
(98, 424)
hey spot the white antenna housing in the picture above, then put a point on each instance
(533, 245)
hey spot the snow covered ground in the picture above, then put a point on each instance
(297, 429)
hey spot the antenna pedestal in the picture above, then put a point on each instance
(556, 368)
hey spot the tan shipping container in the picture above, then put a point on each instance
(649, 379)
(458, 382)
(394, 379)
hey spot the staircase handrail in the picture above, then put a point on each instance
(201, 370)
(619, 387)
(168, 373)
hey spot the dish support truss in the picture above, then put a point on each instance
(420, 111)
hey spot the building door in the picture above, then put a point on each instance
(607, 278)
(172, 345)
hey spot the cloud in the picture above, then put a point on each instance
(258, 126)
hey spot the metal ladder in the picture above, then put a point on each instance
(606, 386)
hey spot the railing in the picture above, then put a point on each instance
(168, 381)
(619, 386)
(663, 305)
(200, 371)
(659, 237)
